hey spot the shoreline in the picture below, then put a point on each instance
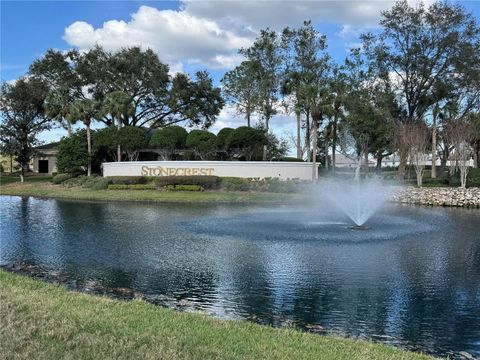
(409, 195)
(181, 334)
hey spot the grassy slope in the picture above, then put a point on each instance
(45, 189)
(44, 321)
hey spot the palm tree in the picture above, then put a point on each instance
(119, 105)
(57, 107)
(85, 110)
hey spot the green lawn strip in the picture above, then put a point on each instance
(9, 179)
(44, 321)
(144, 195)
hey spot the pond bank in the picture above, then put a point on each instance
(48, 190)
(439, 196)
(43, 321)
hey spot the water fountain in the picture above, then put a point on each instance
(357, 198)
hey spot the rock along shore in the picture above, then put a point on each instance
(439, 196)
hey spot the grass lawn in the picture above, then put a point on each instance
(44, 321)
(9, 179)
(43, 188)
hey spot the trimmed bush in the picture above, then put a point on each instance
(207, 182)
(75, 181)
(183, 188)
(100, 183)
(60, 178)
(131, 187)
(235, 184)
(128, 180)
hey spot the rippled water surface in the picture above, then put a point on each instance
(411, 279)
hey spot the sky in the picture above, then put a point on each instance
(189, 35)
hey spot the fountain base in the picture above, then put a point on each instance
(359, 227)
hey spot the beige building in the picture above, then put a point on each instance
(45, 159)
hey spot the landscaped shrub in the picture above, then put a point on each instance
(132, 187)
(262, 185)
(291, 159)
(75, 181)
(473, 178)
(97, 183)
(60, 178)
(128, 180)
(202, 143)
(207, 182)
(235, 184)
(183, 188)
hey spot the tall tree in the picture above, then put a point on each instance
(85, 111)
(419, 47)
(120, 106)
(23, 118)
(56, 71)
(241, 89)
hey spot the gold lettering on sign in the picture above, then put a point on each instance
(163, 171)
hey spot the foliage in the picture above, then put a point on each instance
(473, 179)
(131, 187)
(21, 108)
(202, 142)
(183, 188)
(60, 178)
(241, 88)
(131, 139)
(128, 180)
(222, 137)
(246, 142)
(97, 183)
(261, 185)
(72, 154)
(106, 140)
(169, 139)
(207, 182)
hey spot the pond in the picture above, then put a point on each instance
(411, 279)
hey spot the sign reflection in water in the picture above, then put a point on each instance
(412, 280)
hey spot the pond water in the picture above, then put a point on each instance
(412, 279)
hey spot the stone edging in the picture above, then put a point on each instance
(439, 196)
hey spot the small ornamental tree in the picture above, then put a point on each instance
(131, 139)
(247, 142)
(72, 154)
(167, 140)
(106, 140)
(202, 143)
(221, 142)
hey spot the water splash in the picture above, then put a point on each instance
(356, 198)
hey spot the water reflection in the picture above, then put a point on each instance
(413, 280)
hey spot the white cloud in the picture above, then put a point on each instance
(177, 37)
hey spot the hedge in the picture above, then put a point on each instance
(183, 188)
(60, 178)
(128, 180)
(131, 187)
(207, 182)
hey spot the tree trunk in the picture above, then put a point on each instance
(434, 149)
(89, 149)
(365, 157)
(444, 159)
(119, 149)
(475, 154)
(11, 164)
(314, 152)
(299, 145)
(334, 144)
(264, 158)
(403, 164)
(248, 118)
(308, 144)
(69, 129)
(419, 178)
(379, 163)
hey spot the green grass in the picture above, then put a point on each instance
(9, 179)
(49, 190)
(44, 321)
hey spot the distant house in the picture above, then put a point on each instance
(45, 159)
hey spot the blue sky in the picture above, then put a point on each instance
(188, 35)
